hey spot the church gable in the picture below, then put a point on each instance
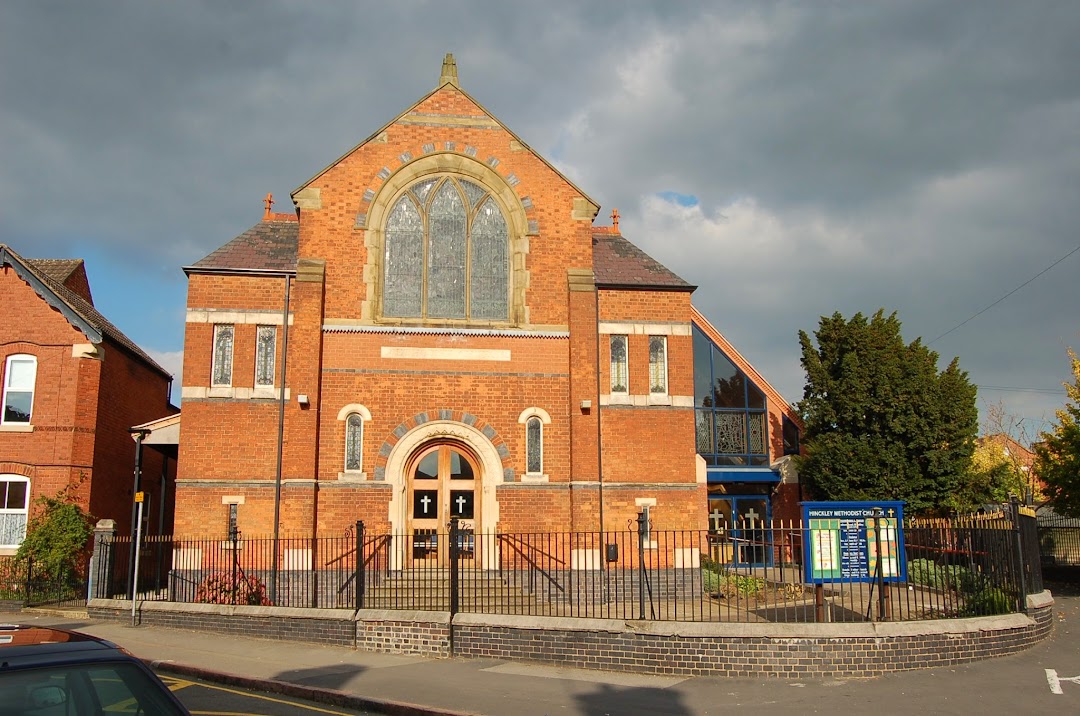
(445, 162)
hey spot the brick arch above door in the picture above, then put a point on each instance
(477, 440)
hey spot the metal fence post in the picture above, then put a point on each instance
(642, 523)
(29, 576)
(1021, 572)
(455, 537)
(360, 585)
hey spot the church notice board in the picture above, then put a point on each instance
(842, 541)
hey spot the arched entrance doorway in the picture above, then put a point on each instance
(443, 482)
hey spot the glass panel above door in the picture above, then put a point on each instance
(460, 469)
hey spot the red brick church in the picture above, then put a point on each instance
(459, 339)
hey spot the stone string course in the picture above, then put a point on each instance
(741, 650)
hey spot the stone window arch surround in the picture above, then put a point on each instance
(365, 418)
(417, 440)
(441, 164)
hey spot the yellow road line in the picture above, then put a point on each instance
(183, 683)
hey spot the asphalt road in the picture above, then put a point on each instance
(206, 699)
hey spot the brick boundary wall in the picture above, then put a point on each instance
(391, 632)
(677, 648)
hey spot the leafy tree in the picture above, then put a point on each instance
(1001, 464)
(881, 422)
(57, 534)
(1057, 457)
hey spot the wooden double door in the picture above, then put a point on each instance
(444, 482)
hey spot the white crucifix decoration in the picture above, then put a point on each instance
(460, 504)
(717, 519)
(752, 515)
(425, 501)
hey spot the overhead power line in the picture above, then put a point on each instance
(1025, 283)
(1050, 391)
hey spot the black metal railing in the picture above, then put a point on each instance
(1058, 539)
(30, 584)
(752, 572)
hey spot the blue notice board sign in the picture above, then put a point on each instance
(842, 541)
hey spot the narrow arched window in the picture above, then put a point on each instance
(534, 446)
(446, 253)
(354, 443)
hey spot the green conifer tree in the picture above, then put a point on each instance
(881, 422)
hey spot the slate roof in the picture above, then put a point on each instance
(267, 247)
(618, 263)
(44, 271)
(57, 269)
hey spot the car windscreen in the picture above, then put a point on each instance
(85, 690)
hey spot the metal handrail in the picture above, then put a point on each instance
(534, 567)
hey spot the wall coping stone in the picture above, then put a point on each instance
(1040, 600)
(870, 630)
(239, 610)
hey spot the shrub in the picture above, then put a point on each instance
(928, 573)
(724, 584)
(220, 588)
(979, 596)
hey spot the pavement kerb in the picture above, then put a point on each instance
(330, 697)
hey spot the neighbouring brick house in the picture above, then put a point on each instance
(73, 384)
(462, 341)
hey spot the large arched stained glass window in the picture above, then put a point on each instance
(446, 253)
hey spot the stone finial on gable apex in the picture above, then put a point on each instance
(449, 71)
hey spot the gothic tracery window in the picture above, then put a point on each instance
(446, 253)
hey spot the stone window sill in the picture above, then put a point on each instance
(534, 477)
(352, 476)
(17, 428)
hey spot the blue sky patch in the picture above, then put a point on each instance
(674, 197)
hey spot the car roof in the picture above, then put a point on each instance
(25, 645)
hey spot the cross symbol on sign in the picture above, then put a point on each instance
(751, 515)
(425, 501)
(460, 503)
(717, 519)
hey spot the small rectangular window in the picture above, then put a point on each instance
(221, 374)
(791, 437)
(265, 353)
(234, 510)
(657, 365)
(20, 375)
(619, 365)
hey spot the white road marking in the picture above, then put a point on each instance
(1054, 681)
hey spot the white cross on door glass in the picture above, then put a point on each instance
(425, 504)
(461, 504)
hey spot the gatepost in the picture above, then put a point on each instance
(99, 581)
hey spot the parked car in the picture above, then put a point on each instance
(54, 672)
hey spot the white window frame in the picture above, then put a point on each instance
(217, 358)
(25, 510)
(663, 368)
(260, 353)
(18, 357)
(625, 339)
